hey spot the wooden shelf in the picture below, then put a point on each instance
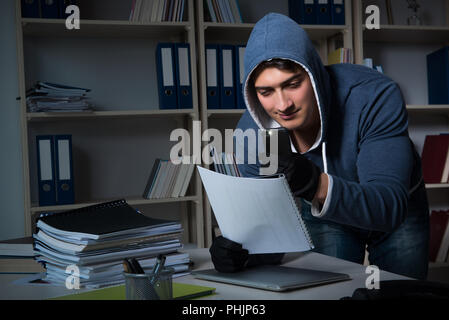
(408, 34)
(437, 185)
(132, 202)
(46, 116)
(104, 28)
(431, 108)
(214, 30)
(225, 113)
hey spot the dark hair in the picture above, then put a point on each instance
(278, 63)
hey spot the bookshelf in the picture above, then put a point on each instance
(114, 147)
(402, 49)
(326, 38)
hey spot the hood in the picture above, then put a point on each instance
(278, 36)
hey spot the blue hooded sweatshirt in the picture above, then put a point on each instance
(363, 144)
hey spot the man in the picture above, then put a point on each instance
(351, 160)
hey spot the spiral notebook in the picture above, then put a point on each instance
(261, 214)
(104, 220)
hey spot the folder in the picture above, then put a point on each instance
(438, 76)
(165, 63)
(46, 170)
(227, 83)
(239, 75)
(64, 170)
(324, 12)
(50, 9)
(30, 8)
(212, 77)
(296, 10)
(310, 15)
(338, 12)
(183, 75)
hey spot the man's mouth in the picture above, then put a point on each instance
(289, 115)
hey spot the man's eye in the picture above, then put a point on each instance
(295, 84)
(265, 93)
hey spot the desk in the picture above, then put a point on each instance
(201, 258)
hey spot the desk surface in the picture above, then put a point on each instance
(201, 258)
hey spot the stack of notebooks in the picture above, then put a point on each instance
(225, 163)
(227, 11)
(96, 239)
(52, 97)
(168, 180)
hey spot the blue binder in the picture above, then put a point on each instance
(227, 80)
(183, 75)
(50, 9)
(64, 170)
(63, 4)
(338, 12)
(296, 10)
(30, 8)
(438, 76)
(239, 75)
(46, 170)
(212, 77)
(323, 12)
(310, 15)
(165, 63)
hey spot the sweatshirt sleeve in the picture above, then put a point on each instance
(378, 201)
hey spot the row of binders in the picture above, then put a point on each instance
(321, 12)
(157, 10)
(174, 75)
(224, 76)
(90, 244)
(439, 236)
(168, 180)
(53, 97)
(227, 11)
(435, 158)
(53, 9)
(55, 169)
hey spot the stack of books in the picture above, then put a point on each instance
(168, 180)
(225, 163)
(157, 10)
(52, 97)
(341, 55)
(226, 11)
(94, 240)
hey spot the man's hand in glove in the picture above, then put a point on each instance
(303, 175)
(229, 256)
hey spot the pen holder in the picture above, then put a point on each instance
(142, 287)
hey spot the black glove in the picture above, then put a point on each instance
(303, 175)
(229, 256)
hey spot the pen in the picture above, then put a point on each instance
(160, 261)
(136, 265)
(127, 266)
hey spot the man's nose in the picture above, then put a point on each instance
(284, 102)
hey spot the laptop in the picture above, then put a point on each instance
(272, 278)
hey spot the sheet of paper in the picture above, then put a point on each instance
(260, 214)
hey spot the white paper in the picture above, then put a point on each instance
(260, 214)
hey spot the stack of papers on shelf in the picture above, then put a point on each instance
(168, 180)
(17, 256)
(94, 240)
(51, 97)
(225, 163)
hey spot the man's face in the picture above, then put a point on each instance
(288, 98)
